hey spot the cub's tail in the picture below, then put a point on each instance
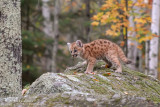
(123, 57)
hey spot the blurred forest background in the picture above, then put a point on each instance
(47, 25)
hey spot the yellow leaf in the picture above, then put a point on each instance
(83, 6)
(95, 17)
(137, 36)
(100, 14)
(122, 43)
(103, 22)
(95, 23)
(28, 66)
(139, 20)
(106, 16)
(140, 47)
(113, 27)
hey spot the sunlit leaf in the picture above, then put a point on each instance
(95, 23)
(122, 43)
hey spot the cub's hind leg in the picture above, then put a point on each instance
(113, 58)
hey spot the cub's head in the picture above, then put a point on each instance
(75, 48)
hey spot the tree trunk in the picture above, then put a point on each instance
(47, 29)
(10, 48)
(134, 53)
(46, 12)
(126, 37)
(132, 49)
(87, 2)
(153, 53)
(147, 46)
(56, 35)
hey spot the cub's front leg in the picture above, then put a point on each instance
(90, 66)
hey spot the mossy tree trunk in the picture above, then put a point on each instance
(10, 48)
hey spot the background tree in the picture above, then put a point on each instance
(115, 15)
(111, 17)
(132, 49)
(10, 48)
(153, 53)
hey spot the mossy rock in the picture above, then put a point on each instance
(106, 88)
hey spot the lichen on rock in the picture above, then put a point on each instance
(106, 88)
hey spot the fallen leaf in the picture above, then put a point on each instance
(96, 80)
(107, 74)
(74, 73)
(106, 66)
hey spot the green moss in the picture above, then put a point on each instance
(27, 86)
(98, 89)
(156, 99)
(57, 99)
(134, 73)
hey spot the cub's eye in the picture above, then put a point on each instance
(71, 51)
(75, 50)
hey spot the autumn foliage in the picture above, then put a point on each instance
(116, 15)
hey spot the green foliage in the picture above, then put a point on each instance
(34, 46)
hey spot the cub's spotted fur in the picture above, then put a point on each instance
(96, 50)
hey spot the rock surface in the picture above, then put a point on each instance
(75, 89)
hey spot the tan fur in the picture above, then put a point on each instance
(96, 50)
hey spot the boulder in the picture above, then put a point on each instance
(106, 88)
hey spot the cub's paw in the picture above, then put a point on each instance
(90, 73)
(118, 71)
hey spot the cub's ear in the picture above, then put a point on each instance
(79, 43)
(69, 45)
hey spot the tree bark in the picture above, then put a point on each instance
(147, 46)
(132, 49)
(134, 53)
(46, 12)
(10, 48)
(56, 35)
(47, 29)
(88, 15)
(126, 37)
(153, 53)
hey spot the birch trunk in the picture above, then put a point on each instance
(10, 48)
(132, 49)
(56, 35)
(46, 12)
(153, 54)
(47, 29)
